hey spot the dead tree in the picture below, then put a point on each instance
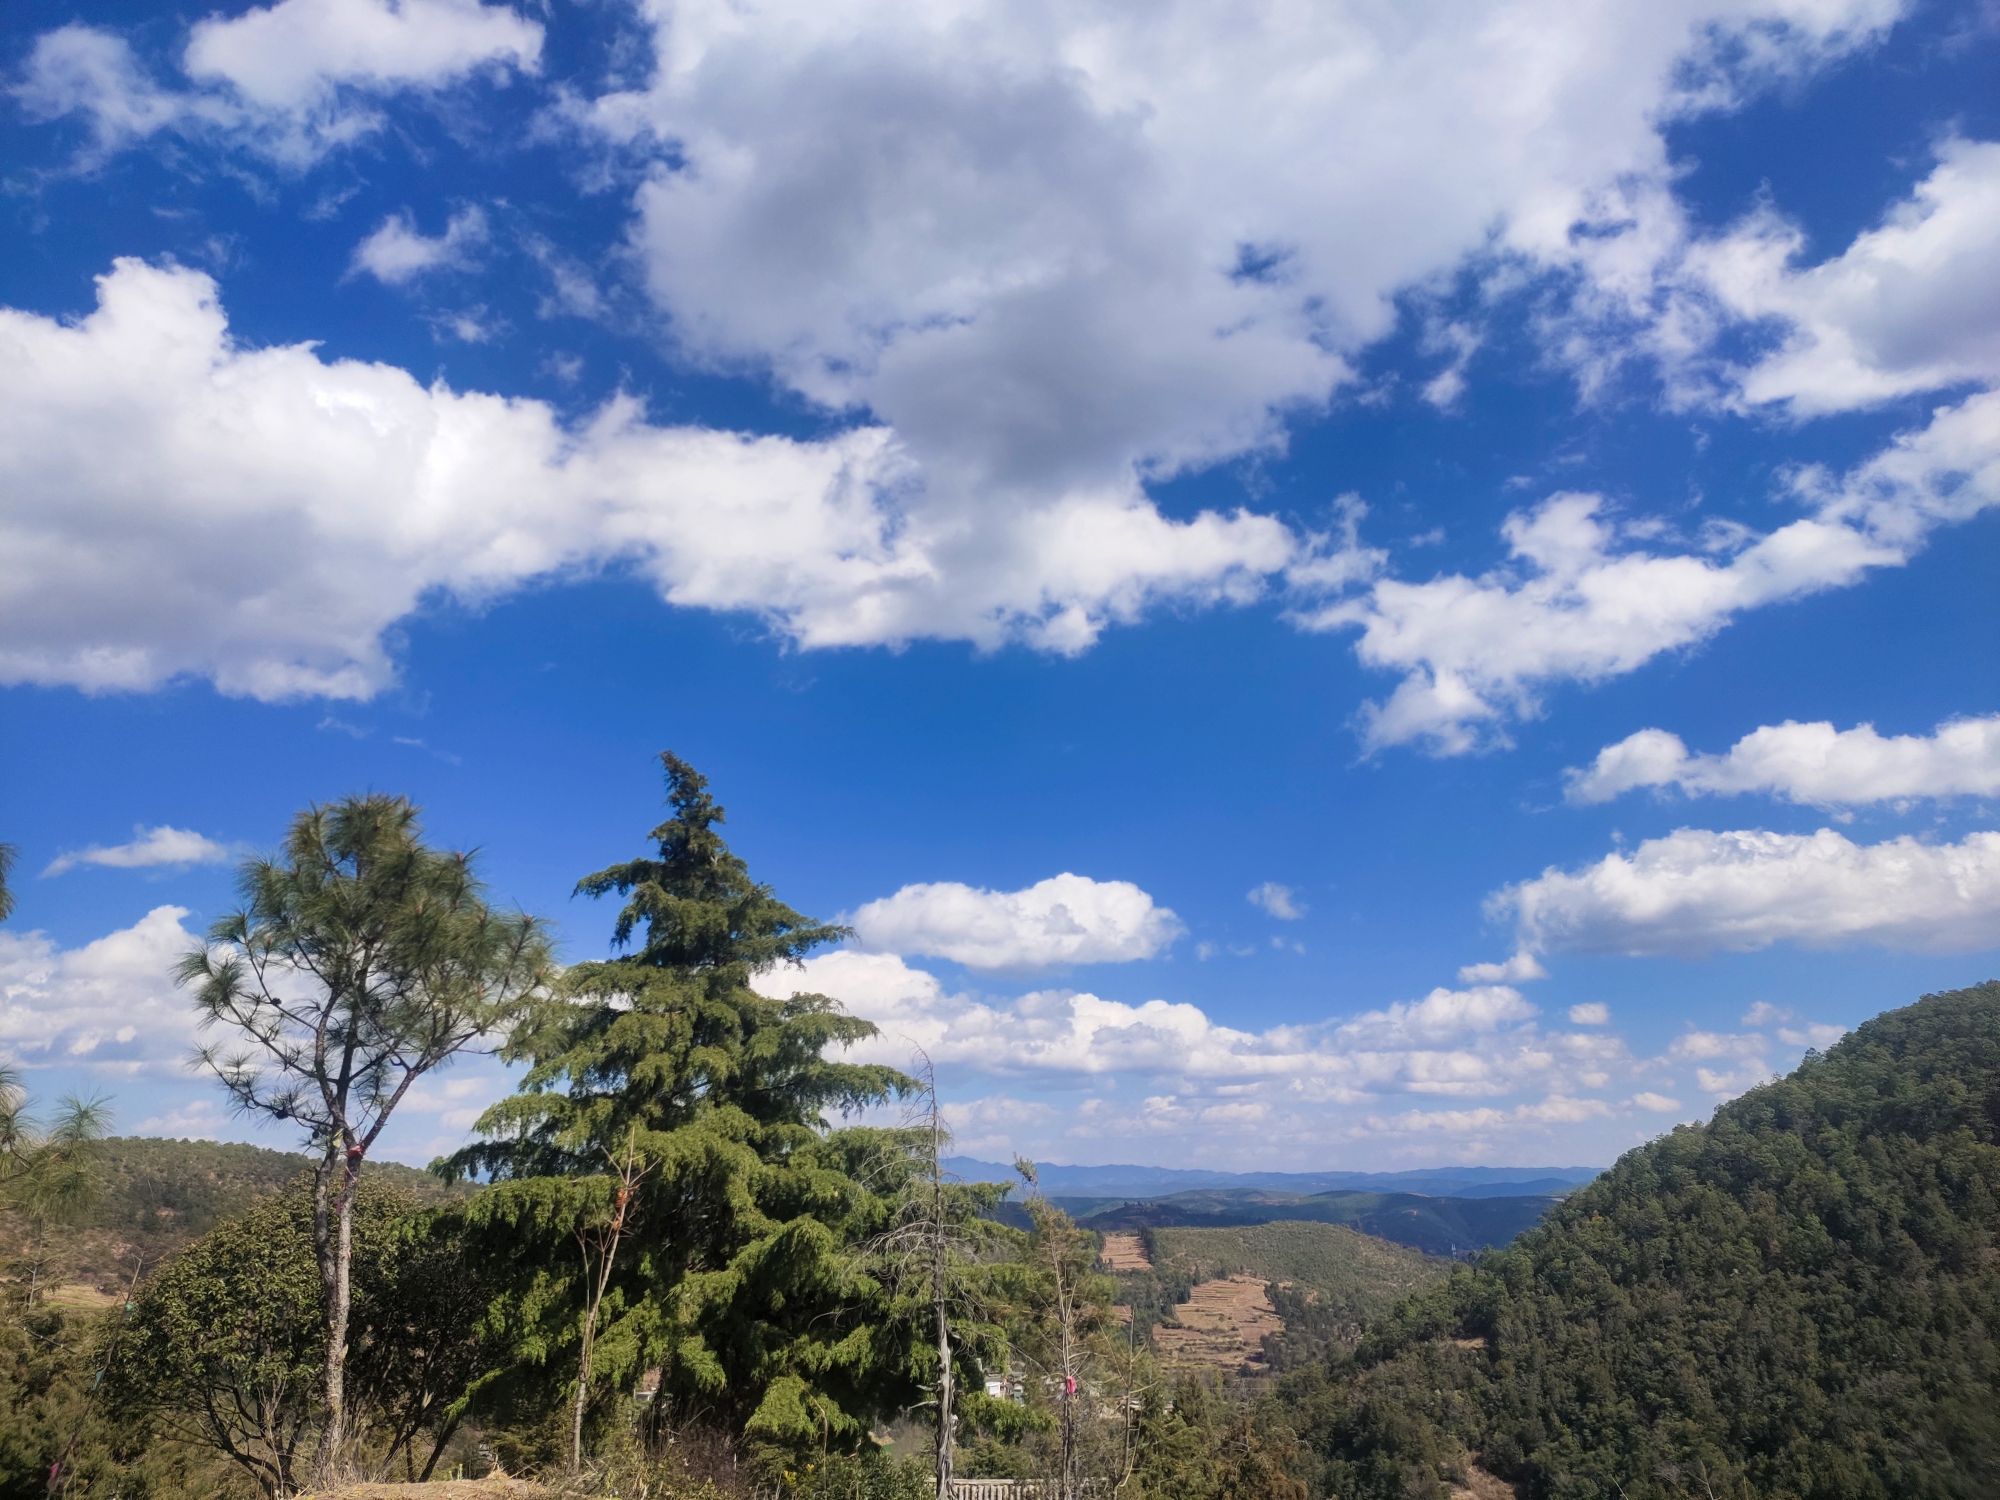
(598, 1240)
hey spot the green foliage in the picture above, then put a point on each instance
(358, 961)
(743, 1284)
(8, 853)
(225, 1344)
(52, 1410)
(49, 1177)
(1192, 1443)
(1799, 1301)
(855, 1476)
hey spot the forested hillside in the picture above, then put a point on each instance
(1799, 1299)
(155, 1196)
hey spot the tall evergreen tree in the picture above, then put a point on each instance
(737, 1277)
(359, 961)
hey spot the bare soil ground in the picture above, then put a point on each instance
(1480, 1484)
(1222, 1325)
(1126, 1252)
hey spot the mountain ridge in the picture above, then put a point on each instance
(1129, 1180)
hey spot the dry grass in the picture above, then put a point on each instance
(499, 1487)
(1222, 1325)
(1480, 1484)
(1125, 1252)
(79, 1296)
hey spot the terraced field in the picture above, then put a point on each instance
(1222, 1325)
(1125, 1251)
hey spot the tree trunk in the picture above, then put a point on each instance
(940, 1291)
(333, 1235)
(944, 1403)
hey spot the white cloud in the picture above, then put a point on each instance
(1658, 1104)
(1764, 1013)
(1726, 1083)
(111, 1004)
(147, 849)
(1276, 900)
(1058, 260)
(196, 1120)
(1556, 1109)
(1697, 892)
(1814, 764)
(1693, 1045)
(1581, 602)
(266, 515)
(1591, 1013)
(1439, 1016)
(1811, 1034)
(293, 55)
(397, 252)
(1066, 919)
(80, 70)
(1466, 1043)
(1520, 969)
(1910, 305)
(290, 81)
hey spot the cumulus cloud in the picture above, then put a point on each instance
(293, 55)
(148, 848)
(1519, 969)
(1726, 1083)
(1695, 891)
(1556, 1109)
(1590, 1013)
(195, 1120)
(397, 252)
(1814, 764)
(94, 74)
(1658, 1104)
(1056, 259)
(266, 515)
(111, 1004)
(1279, 901)
(1461, 1043)
(1583, 599)
(1066, 919)
(1910, 305)
(290, 81)
(1439, 1016)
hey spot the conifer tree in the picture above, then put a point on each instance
(359, 961)
(738, 1276)
(6, 891)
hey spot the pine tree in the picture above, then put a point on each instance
(359, 961)
(739, 1277)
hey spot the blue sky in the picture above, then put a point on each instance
(1327, 589)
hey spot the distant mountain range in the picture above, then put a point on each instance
(1136, 1182)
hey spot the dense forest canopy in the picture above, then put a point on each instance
(1797, 1301)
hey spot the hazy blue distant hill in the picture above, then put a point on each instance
(1127, 1181)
